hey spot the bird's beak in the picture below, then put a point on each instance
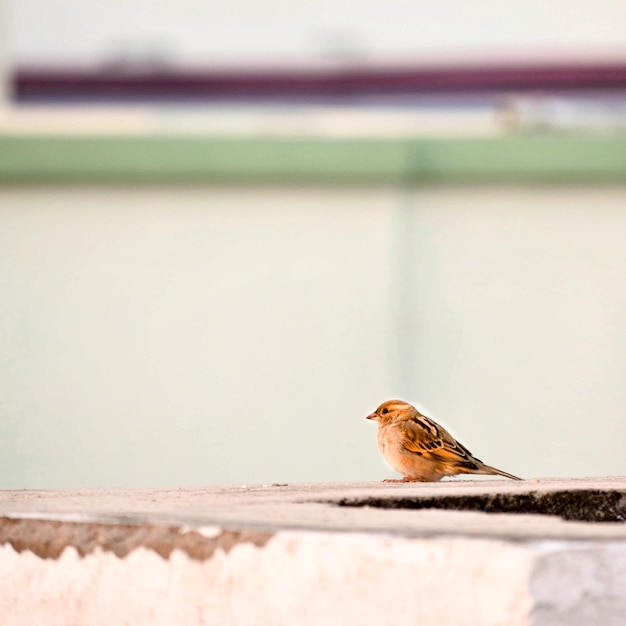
(373, 416)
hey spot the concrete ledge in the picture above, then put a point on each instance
(297, 554)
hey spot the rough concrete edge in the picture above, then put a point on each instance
(578, 582)
(48, 538)
(582, 505)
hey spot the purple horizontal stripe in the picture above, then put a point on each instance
(34, 84)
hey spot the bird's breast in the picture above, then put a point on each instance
(406, 462)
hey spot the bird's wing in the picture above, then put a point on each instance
(425, 438)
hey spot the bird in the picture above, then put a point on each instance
(420, 449)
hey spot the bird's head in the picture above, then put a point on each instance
(390, 410)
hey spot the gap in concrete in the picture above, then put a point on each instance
(590, 505)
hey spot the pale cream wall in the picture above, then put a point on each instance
(208, 335)
(518, 297)
(5, 87)
(192, 336)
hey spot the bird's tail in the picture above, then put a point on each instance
(487, 469)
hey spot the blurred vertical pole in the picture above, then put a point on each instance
(403, 358)
(5, 84)
(405, 269)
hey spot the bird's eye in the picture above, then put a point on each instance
(385, 411)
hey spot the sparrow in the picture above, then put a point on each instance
(421, 450)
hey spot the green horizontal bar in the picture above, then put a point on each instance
(42, 159)
(531, 159)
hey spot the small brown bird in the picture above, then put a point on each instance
(420, 449)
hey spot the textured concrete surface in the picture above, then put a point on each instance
(310, 554)
(314, 506)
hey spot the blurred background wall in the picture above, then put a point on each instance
(229, 231)
(90, 31)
